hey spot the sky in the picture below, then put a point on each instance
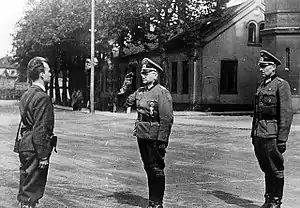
(10, 12)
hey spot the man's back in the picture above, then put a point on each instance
(38, 121)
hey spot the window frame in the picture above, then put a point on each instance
(174, 81)
(227, 90)
(258, 38)
(254, 41)
(185, 85)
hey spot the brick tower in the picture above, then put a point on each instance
(281, 36)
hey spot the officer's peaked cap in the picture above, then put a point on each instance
(268, 58)
(149, 65)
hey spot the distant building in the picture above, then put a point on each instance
(222, 73)
(9, 87)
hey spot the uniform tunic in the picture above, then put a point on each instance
(155, 113)
(38, 124)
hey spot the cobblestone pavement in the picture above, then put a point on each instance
(209, 164)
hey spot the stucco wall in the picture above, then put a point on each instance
(232, 45)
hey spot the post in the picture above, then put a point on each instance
(92, 109)
(194, 79)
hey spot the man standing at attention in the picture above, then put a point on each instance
(152, 128)
(271, 125)
(35, 145)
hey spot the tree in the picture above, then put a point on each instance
(59, 30)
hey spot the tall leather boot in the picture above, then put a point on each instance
(278, 193)
(278, 189)
(268, 201)
(24, 205)
(276, 202)
(153, 204)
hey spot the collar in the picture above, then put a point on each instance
(270, 79)
(40, 86)
(149, 88)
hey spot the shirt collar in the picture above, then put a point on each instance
(40, 86)
(270, 79)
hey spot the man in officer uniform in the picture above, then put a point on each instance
(271, 126)
(152, 128)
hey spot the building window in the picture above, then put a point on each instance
(287, 58)
(228, 82)
(252, 33)
(185, 77)
(174, 77)
(261, 27)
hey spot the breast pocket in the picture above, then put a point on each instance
(268, 104)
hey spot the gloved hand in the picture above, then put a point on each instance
(281, 146)
(129, 75)
(161, 145)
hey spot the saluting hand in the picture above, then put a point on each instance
(43, 163)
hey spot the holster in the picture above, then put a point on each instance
(16, 146)
(53, 142)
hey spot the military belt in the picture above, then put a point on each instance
(266, 117)
(146, 118)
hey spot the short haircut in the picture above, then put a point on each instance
(35, 67)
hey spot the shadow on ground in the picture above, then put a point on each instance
(229, 198)
(126, 197)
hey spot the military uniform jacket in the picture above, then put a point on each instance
(155, 112)
(273, 112)
(37, 122)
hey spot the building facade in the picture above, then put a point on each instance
(281, 36)
(222, 73)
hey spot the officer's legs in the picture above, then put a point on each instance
(276, 161)
(261, 153)
(154, 166)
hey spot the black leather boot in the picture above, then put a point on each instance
(153, 204)
(267, 203)
(276, 202)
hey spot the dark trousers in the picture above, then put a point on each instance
(271, 163)
(32, 179)
(154, 164)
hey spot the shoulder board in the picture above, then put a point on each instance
(162, 87)
(140, 89)
(280, 79)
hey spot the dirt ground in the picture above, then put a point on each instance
(209, 164)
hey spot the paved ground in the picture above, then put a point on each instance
(210, 162)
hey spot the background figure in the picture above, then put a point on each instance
(125, 90)
(152, 128)
(35, 145)
(271, 125)
(77, 100)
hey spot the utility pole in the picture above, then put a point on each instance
(92, 108)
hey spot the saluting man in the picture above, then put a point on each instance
(152, 128)
(271, 125)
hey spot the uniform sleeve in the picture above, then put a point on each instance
(254, 116)
(165, 108)
(42, 113)
(130, 101)
(285, 111)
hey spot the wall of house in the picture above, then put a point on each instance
(232, 44)
(283, 39)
